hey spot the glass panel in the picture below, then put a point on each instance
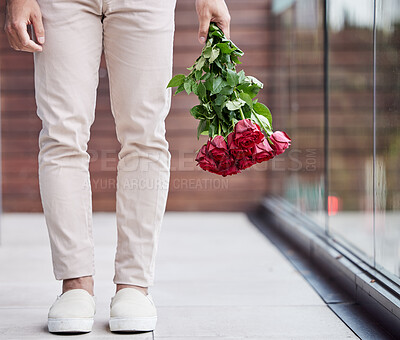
(297, 104)
(350, 201)
(387, 219)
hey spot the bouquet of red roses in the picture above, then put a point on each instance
(239, 127)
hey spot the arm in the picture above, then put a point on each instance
(20, 14)
(215, 11)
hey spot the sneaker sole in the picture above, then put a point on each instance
(144, 324)
(71, 325)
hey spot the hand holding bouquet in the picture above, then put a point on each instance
(239, 127)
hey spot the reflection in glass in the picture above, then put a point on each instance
(297, 103)
(363, 121)
(387, 167)
(351, 124)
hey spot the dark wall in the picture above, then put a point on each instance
(191, 188)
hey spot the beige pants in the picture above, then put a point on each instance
(137, 38)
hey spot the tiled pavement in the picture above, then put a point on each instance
(217, 277)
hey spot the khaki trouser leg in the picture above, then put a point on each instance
(138, 39)
(66, 78)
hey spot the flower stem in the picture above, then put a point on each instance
(240, 109)
(241, 113)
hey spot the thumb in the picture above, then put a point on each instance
(204, 24)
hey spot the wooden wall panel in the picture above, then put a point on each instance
(191, 188)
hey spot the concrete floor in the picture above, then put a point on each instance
(217, 277)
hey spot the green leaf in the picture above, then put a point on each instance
(213, 78)
(252, 90)
(263, 122)
(213, 27)
(235, 59)
(205, 76)
(235, 104)
(227, 90)
(177, 80)
(246, 98)
(207, 52)
(261, 109)
(198, 74)
(213, 128)
(226, 128)
(218, 84)
(198, 111)
(220, 100)
(200, 63)
(188, 86)
(232, 78)
(218, 110)
(201, 90)
(214, 54)
(179, 89)
(218, 63)
(225, 58)
(209, 84)
(238, 51)
(242, 76)
(255, 81)
(224, 47)
(217, 34)
(209, 111)
(202, 127)
(195, 88)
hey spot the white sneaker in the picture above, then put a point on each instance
(132, 311)
(72, 312)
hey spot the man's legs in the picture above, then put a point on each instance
(138, 40)
(66, 78)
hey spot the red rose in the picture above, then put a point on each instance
(263, 152)
(230, 171)
(281, 141)
(245, 163)
(214, 157)
(247, 134)
(208, 164)
(202, 153)
(236, 151)
(217, 148)
(205, 161)
(226, 162)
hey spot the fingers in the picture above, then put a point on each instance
(11, 43)
(36, 19)
(12, 37)
(224, 22)
(25, 43)
(215, 11)
(20, 14)
(19, 39)
(225, 26)
(204, 24)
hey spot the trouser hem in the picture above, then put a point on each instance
(73, 275)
